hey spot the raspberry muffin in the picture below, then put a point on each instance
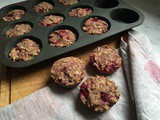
(19, 29)
(14, 15)
(43, 7)
(68, 2)
(106, 59)
(68, 72)
(99, 93)
(25, 50)
(62, 38)
(80, 12)
(95, 26)
(51, 20)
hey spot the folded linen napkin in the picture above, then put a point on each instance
(143, 74)
(138, 82)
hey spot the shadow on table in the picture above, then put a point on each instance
(84, 111)
(59, 90)
(78, 107)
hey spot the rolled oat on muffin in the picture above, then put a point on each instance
(51, 20)
(80, 12)
(68, 2)
(106, 59)
(43, 7)
(19, 29)
(68, 71)
(95, 26)
(14, 15)
(99, 93)
(25, 50)
(62, 38)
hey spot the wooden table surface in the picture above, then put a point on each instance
(16, 83)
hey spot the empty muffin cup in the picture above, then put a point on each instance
(106, 3)
(124, 15)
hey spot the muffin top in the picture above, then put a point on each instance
(18, 30)
(62, 38)
(95, 26)
(80, 12)
(68, 71)
(43, 7)
(99, 93)
(25, 50)
(68, 2)
(14, 15)
(51, 20)
(106, 59)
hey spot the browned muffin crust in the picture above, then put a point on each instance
(68, 71)
(14, 15)
(62, 38)
(106, 59)
(99, 93)
(80, 12)
(51, 20)
(95, 26)
(19, 29)
(25, 50)
(43, 7)
(68, 2)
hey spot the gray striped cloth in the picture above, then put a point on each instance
(138, 81)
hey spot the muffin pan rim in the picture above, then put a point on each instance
(80, 42)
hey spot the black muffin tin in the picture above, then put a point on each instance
(119, 15)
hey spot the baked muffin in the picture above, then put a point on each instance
(99, 93)
(19, 29)
(25, 50)
(14, 15)
(106, 59)
(43, 7)
(95, 26)
(68, 2)
(62, 38)
(68, 72)
(51, 20)
(80, 12)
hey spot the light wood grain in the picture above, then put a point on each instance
(4, 88)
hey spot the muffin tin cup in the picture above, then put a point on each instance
(119, 15)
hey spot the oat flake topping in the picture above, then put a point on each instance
(25, 50)
(95, 26)
(18, 30)
(68, 71)
(80, 12)
(43, 7)
(99, 93)
(14, 15)
(62, 38)
(106, 59)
